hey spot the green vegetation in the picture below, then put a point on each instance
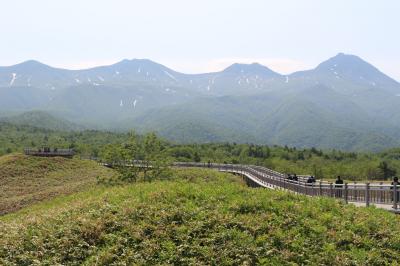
(40, 119)
(26, 180)
(198, 217)
(14, 138)
(110, 146)
(343, 103)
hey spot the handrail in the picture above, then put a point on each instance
(47, 152)
(368, 193)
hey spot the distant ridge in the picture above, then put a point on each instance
(344, 102)
(41, 119)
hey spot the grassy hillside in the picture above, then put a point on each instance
(199, 217)
(26, 180)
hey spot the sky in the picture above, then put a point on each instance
(200, 36)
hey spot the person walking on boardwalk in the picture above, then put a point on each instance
(310, 180)
(338, 187)
(395, 182)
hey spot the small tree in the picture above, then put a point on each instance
(155, 164)
(196, 157)
(132, 147)
(113, 154)
(385, 170)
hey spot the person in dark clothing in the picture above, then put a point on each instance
(310, 180)
(338, 187)
(295, 178)
(290, 177)
(339, 182)
(209, 164)
(395, 181)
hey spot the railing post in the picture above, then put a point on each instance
(312, 189)
(395, 198)
(367, 194)
(320, 188)
(346, 193)
(355, 192)
(331, 190)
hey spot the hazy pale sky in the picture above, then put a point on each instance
(200, 36)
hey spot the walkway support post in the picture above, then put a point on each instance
(395, 196)
(367, 194)
(312, 189)
(320, 188)
(346, 193)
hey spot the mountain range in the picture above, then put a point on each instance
(344, 103)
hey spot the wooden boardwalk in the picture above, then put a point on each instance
(380, 195)
(383, 196)
(47, 152)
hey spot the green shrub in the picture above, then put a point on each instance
(198, 217)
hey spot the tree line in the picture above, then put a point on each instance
(114, 146)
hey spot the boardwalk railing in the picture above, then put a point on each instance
(368, 193)
(47, 152)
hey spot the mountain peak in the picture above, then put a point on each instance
(345, 61)
(254, 68)
(31, 64)
(135, 63)
(352, 67)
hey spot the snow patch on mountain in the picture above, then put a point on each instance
(14, 77)
(170, 75)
